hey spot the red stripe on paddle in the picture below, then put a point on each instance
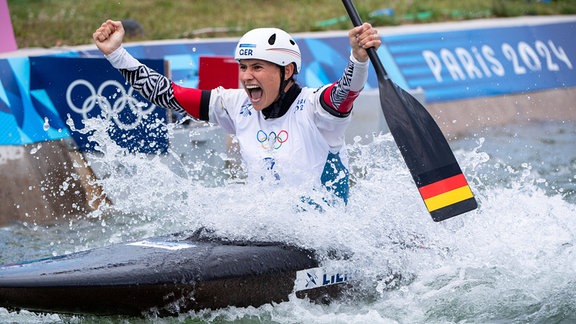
(442, 186)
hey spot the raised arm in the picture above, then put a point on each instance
(154, 86)
(339, 97)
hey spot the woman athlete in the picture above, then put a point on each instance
(288, 134)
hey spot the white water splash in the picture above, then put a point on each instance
(511, 260)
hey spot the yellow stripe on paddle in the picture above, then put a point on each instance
(448, 198)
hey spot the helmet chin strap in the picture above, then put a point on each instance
(275, 109)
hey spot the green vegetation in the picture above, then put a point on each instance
(48, 23)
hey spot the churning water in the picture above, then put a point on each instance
(511, 260)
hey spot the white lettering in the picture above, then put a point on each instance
(510, 54)
(462, 63)
(560, 54)
(468, 63)
(481, 61)
(529, 57)
(543, 51)
(496, 67)
(434, 64)
(452, 65)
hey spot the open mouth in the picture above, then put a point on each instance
(254, 92)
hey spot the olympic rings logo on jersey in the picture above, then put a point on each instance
(272, 140)
(112, 105)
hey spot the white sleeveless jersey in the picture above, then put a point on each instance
(291, 149)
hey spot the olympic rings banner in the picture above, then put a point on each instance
(72, 89)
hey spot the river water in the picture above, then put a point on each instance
(512, 260)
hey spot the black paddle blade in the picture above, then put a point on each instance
(424, 148)
(427, 154)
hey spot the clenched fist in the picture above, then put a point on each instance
(108, 37)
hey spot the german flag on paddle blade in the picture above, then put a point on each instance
(446, 192)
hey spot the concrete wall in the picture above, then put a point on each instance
(45, 182)
(458, 118)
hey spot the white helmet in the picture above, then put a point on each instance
(269, 44)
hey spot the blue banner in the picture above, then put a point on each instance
(84, 88)
(452, 65)
(446, 64)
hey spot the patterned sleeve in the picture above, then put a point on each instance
(153, 86)
(162, 92)
(339, 97)
(158, 89)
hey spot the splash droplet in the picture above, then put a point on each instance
(46, 124)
